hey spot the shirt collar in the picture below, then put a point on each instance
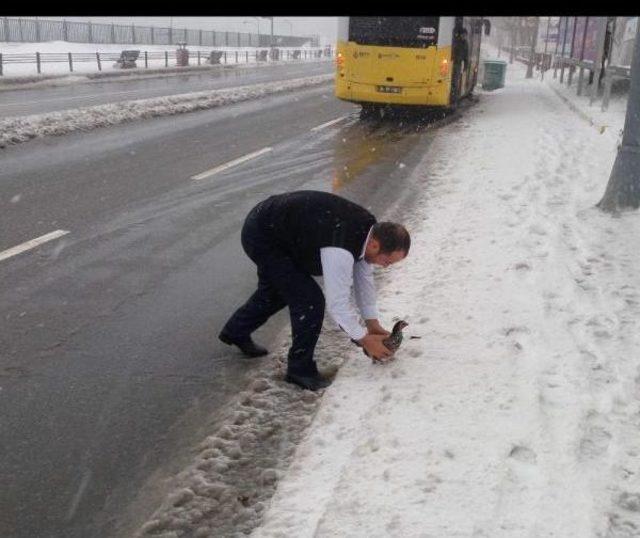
(364, 247)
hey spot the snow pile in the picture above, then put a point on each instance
(14, 130)
(41, 81)
(517, 412)
(235, 472)
(236, 469)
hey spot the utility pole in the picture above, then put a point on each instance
(513, 30)
(623, 189)
(271, 39)
(532, 54)
(544, 56)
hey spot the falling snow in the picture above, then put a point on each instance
(516, 410)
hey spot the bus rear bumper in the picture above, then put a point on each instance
(431, 95)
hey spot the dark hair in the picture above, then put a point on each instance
(392, 237)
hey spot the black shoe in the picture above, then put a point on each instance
(248, 347)
(308, 382)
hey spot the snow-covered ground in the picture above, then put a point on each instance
(610, 120)
(517, 412)
(64, 47)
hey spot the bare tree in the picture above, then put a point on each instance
(532, 52)
(509, 26)
(623, 189)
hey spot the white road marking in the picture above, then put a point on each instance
(13, 251)
(329, 123)
(233, 163)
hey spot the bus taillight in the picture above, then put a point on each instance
(340, 59)
(444, 67)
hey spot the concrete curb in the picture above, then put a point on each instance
(12, 83)
(601, 128)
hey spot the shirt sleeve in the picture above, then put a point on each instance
(365, 289)
(338, 272)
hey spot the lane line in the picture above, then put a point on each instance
(231, 164)
(28, 245)
(329, 123)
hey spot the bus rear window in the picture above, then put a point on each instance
(415, 32)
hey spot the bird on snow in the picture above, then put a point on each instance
(392, 342)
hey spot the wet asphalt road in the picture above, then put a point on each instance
(110, 369)
(24, 101)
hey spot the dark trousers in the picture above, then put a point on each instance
(280, 283)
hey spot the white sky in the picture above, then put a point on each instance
(325, 27)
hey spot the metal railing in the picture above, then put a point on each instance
(594, 47)
(593, 50)
(165, 58)
(37, 30)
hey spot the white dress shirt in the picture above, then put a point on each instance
(341, 272)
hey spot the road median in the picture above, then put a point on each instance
(15, 130)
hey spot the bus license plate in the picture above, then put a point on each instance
(389, 89)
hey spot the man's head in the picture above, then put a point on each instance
(389, 243)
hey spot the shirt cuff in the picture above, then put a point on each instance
(359, 335)
(369, 311)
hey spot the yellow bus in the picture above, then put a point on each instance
(428, 61)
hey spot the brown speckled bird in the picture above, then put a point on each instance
(392, 342)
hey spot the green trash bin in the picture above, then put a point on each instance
(495, 72)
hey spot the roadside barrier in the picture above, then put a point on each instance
(168, 58)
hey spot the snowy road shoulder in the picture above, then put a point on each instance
(514, 415)
(15, 130)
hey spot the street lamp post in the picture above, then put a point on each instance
(271, 47)
(290, 26)
(257, 29)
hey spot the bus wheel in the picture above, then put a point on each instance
(454, 98)
(368, 111)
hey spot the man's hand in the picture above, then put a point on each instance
(374, 327)
(373, 345)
